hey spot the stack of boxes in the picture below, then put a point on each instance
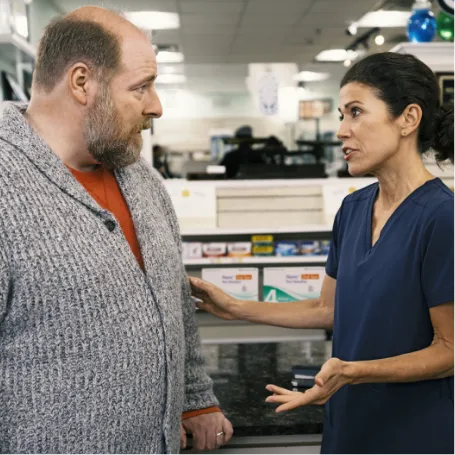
(277, 284)
(260, 245)
(240, 283)
(289, 284)
(286, 284)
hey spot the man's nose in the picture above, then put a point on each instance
(153, 109)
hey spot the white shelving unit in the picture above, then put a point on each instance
(265, 260)
(271, 202)
(259, 231)
(439, 56)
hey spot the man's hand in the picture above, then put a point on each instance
(328, 381)
(205, 429)
(182, 437)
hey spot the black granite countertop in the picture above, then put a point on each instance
(240, 373)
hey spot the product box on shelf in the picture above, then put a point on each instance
(240, 283)
(324, 247)
(192, 250)
(287, 248)
(309, 247)
(239, 249)
(289, 284)
(263, 245)
(214, 250)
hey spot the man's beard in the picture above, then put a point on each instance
(108, 141)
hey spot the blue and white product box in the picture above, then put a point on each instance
(325, 247)
(192, 250)
(309, 247)
(289, 284)
(240, 283)
(287, 248)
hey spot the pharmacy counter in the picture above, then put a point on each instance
(240, 373)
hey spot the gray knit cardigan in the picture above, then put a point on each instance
(96, 355)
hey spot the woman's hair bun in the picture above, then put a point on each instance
(443, 134)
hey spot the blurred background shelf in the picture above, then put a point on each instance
(276, 260)
(310, 228)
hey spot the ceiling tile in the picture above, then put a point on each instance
(148, 5)
(270, 20)
(125, 6)
(215, 19)
(277, 6)
(300, 37)
(214, 32)
(195, 39)
(331, 6)
(254, 31)
(217, 58)
(220, 6)
(227, 71)
(263, 40)
(166, 37)
(327, 20)
(145, 5)
(256, 57)
(207, 49)
(210, 29)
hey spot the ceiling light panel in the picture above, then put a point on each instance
(154, 20)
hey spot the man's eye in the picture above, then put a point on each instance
(141, 89)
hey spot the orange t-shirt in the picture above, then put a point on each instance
(103, 187)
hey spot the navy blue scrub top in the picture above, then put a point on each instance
(383, 297)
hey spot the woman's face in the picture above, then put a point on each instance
(369, 135)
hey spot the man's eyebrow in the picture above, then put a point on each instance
(144, 80)
(150, 78)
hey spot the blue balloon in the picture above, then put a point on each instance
(421, 26)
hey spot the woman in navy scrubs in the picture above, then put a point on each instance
(389, 289)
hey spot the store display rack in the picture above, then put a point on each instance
(308, 232)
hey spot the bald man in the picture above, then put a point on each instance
(99, 349)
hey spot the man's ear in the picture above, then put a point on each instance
(81, 83)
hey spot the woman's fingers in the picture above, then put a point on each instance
(278, 390)
(198, 285)
(315, 395)
(279, 398)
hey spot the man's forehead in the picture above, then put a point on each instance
(137, 54)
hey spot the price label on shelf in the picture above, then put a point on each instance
(195, 205)
(333, 195)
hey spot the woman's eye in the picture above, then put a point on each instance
(341, 118)
(355, 112)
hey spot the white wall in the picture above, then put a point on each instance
(41, 13)
(188, 116)
(185, 104)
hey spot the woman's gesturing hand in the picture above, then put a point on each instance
(213, 300)
(328, 381)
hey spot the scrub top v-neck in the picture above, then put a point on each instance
(383, 296)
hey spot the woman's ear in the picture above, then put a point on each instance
(410, 119)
